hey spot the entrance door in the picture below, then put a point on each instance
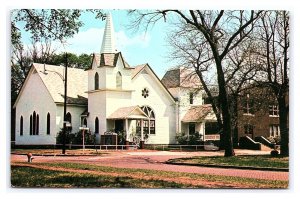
(192, 128)
(119, 125)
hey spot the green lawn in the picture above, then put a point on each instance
(35, 178)
(32, 177)
(253, 161)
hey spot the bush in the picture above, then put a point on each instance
(76, 138)
(194, 139)
(182, 138)
(59, 137)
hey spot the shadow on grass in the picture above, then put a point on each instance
(26, 177)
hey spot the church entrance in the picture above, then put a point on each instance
(119, 125)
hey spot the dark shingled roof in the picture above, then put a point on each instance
(108, 59)
(181, 77)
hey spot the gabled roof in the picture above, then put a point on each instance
(137, 70)
(197, 113)
(133, 112)
(108, 59)
(52, 79)
(181, 77)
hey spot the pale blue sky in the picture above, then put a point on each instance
(137, 47)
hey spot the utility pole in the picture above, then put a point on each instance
(65, 106)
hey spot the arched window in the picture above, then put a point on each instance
(96, 125)
(85, 122)
(69, 117)
(33, 123)
(48, 124)
(37, 124)
(149, 125)
(69, 121)
(96, 81)
(21, 125)
(30, 130)
(119, 80)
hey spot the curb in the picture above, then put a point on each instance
(231, 167)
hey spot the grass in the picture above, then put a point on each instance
(35, 177)
(252, 161)
(144, 179)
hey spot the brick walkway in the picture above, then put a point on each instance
(155, 161)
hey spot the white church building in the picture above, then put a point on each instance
(111, 96)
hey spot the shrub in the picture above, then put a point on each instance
(76, 138)
(182, 138)
(59, 137)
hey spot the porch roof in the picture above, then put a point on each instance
(197, 113)
(131, 112)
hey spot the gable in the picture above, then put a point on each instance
(145, 70)
(33, 89)
(52, 78)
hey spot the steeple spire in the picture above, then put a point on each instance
(108, 41)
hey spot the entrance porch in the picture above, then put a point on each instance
(128, 125)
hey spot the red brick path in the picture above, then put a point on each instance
(155, 161)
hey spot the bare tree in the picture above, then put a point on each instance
(221, 32)
(274, 40)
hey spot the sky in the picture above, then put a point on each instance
(137, 47)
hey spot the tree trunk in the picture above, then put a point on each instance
(223, 99)
(234, 119)
(283, 124)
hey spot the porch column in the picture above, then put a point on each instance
(127, 136)
(142, 135)
(149, 126)
(142, 130)
(126, 129)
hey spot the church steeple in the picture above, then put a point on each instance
(108, 41)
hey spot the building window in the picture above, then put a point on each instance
(274, 130)
(248, 106)
(149, 125)
(48, 124)
(30, 130)
(37, 124)
(85, 122)
(211, 128)
(273, 110)
(69, 117)
(119, 80)
(192, 128)
(191, 98)
(96, 81)
(69, 121)
(34, 123)
(145, 92)
(248, 128)
(21, 125)
(96, 125)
